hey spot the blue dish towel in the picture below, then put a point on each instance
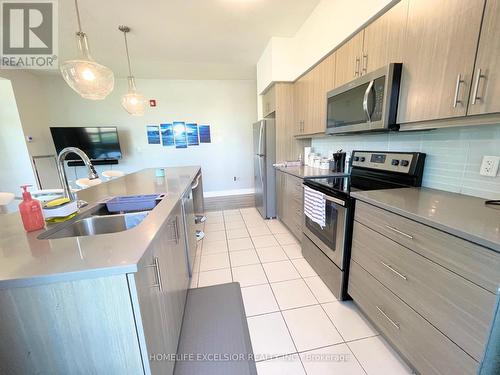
(490, 365)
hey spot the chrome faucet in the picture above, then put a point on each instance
(62, 171)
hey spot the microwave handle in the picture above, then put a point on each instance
(365, 100)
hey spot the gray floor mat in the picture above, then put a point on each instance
(215, 324)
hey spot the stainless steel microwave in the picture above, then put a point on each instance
(368, 103)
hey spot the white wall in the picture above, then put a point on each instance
(15, 163)
(331, 22)
(229, 107)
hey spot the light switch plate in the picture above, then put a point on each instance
(489, 166)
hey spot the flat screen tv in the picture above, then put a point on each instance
(99, 143)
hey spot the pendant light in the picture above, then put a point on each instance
(88, 78)
(133, 101)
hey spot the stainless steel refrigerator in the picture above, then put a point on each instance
(264, 146)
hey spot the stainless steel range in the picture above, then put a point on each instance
(327, 248)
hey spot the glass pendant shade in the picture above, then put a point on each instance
(88, 78)
(133, 101)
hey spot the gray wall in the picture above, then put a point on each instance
(15, 163)
(229, 106)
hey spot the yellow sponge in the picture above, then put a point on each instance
(60, 208)
(57, 202)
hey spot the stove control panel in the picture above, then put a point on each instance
(386, 161)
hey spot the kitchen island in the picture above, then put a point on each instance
(113, 301)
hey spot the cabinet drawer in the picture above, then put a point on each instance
(428, 350)
(454, 305)
(473, 262)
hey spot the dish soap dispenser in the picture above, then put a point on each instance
(31, 211)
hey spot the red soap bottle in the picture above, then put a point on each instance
(31, 212)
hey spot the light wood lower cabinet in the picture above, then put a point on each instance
(457, 307)
(474, 263)
(431, 293)
(120, 324)
(163, 280)
(426, 349)
(290, 201)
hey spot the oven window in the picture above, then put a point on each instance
(328, 234)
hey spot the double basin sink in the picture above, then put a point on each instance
(95, 220)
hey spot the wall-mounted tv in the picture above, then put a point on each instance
(99, 143)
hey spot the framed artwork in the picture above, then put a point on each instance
(204, 134)
(153, 132)
(192, 134)
(180, 136)
(167, 134)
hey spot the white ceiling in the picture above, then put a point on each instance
(181, 39)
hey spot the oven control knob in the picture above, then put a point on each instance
(362, 159)
(356, 158)
(405, 163)
(395, 162)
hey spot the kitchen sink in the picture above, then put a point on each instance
(93, 221)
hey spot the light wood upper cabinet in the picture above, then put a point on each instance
(285, 143)
(268, 102)
(438, 58)
(485, 91)
(310, 97)
(348, 60)
(323, 80)
(303, 95)
(384, 38)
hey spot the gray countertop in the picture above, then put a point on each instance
(26, 260)
(305, 171)
(460, 215)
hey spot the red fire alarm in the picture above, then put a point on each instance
(152, 102)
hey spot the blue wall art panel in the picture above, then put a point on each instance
(204, 134)
(167, 134)
(153, 132)
(180, 136)
(192, 134)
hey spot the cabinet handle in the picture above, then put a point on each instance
(356, 67)
(457, 91)
(176, 229)
(365, 63)
(387, 317)
(156, 266)
(399, 232)
(393, 270)
(476, 86)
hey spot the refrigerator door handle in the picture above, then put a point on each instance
(260, 172)
(259, 152)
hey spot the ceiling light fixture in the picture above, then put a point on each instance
(133, 101)
(88, 78)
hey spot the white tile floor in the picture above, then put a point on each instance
(296, 324)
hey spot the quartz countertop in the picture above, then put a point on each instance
(460, 215)
(305, 171)
(26, 260)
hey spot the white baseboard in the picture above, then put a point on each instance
(224, 193)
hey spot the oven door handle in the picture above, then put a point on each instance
(365, 101)
(335, 200)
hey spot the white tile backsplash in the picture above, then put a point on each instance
(453, 155)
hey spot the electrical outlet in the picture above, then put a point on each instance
(489, 166)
